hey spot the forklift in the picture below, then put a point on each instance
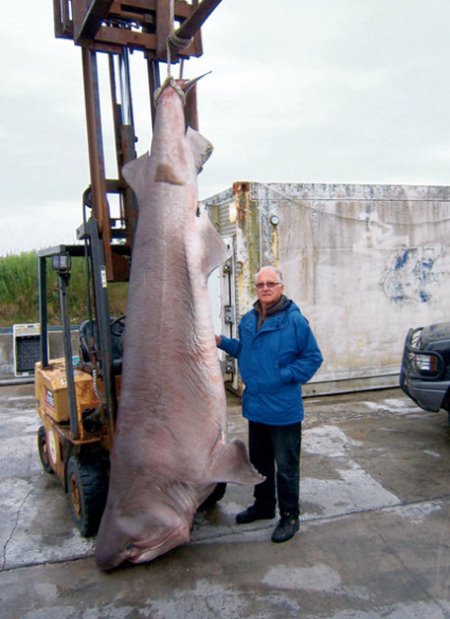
(77, 394)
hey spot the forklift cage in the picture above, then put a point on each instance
(92, 250)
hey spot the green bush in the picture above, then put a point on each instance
(18, 289)
(19, 292)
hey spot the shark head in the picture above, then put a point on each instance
(148, 523)
(139, 537)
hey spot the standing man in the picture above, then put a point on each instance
(277, 353)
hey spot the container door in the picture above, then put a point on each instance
(222, 295)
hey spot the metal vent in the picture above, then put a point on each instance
(26, 340)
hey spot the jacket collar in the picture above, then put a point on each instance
(281, 305)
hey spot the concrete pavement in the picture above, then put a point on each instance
(374, 539)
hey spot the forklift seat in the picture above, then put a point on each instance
(88, 339)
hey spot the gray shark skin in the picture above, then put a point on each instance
(170, 446)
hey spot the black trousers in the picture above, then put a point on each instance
(275, 452)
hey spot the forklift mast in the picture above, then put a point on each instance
(164, 31)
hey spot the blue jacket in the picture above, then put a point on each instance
(274, 361)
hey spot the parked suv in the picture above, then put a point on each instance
(425, 371)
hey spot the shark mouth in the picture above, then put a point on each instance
(146, 550)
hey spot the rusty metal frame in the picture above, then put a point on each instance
(108, 25)
(89, 21)
(119, 27)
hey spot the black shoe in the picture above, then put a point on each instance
(286, 528)
(254, 512)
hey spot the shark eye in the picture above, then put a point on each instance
(129, 546)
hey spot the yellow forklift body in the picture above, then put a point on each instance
(51, 390)
(53, 407)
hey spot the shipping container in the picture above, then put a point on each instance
(364, 263)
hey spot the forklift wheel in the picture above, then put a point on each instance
(215, 496)
(87, 488)
(43, 450)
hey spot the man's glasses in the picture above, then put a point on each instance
(261, 285)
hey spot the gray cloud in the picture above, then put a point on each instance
(323, 91)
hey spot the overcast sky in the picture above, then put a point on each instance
(333, 91)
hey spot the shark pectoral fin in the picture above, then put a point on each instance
(231, 464)
(214, 250)
(132, 170)
(200, 147)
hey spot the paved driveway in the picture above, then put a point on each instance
(374, 539)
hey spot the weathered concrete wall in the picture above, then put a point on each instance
(364, 262)
(6, 354)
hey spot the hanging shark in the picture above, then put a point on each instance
(170, 445)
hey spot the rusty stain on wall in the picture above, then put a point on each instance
(248, 243)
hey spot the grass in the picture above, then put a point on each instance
(19, 292)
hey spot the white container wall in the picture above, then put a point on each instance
(364, 262)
